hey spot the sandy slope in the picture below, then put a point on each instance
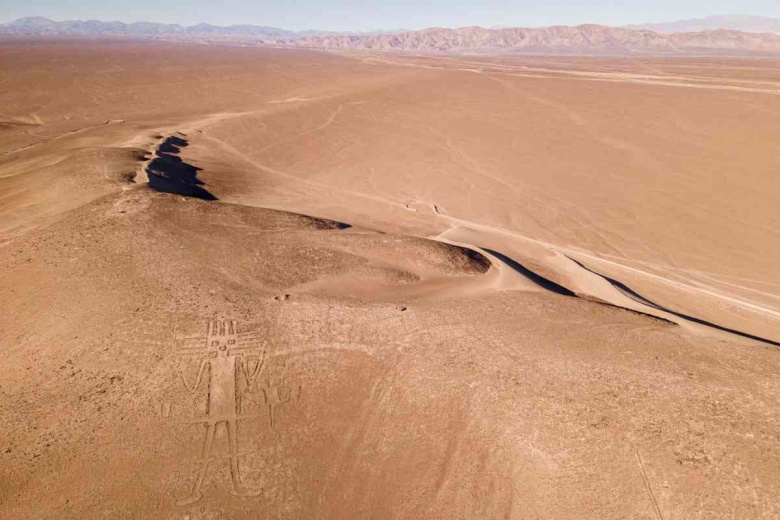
(491, 311)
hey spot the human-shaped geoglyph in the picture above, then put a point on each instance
(223, 359)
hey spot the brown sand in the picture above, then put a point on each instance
(428, 287)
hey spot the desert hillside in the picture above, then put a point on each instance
(245, 282)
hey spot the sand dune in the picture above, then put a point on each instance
(294, 284)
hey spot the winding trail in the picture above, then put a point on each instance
(489, 68)
(59, 136)
(292, 177)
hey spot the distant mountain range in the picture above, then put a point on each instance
(38, 25)
(581, 39)
(735, 22)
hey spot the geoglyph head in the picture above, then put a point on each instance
(222, 336)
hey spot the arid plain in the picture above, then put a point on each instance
(271, 283)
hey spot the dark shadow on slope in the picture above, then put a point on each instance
(631, 311)
(535, 278)
(325, 224)
(168, 173)
(626, 290)
(173, 144)
(480, 261)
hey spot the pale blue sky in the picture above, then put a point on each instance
(358, 15)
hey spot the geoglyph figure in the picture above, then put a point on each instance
(224, 361)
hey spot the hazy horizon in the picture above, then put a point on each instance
(349, 15)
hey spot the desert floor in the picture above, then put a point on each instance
(240, 282)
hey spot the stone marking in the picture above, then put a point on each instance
(229, 372)
(225, 356)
